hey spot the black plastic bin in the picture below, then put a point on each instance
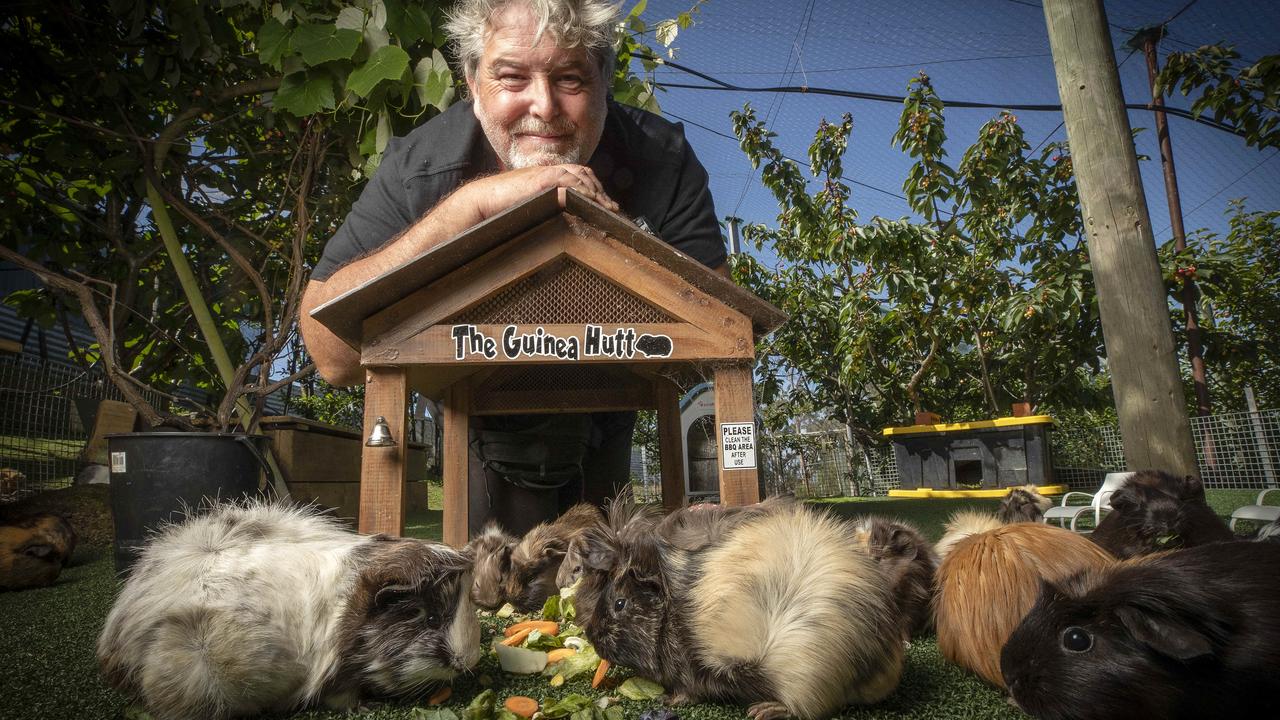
(156, 477)
(986, 454)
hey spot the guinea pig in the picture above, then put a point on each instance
(741, 605)
(34, 549)
(1023, 504)
(961, 525)
(265, 608)
(1187, 634)
(989, 581)
(1154, 511)
(908, 562)
(491, 551)
(536, 560)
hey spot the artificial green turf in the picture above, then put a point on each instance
(48, 669)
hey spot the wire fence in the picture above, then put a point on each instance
(46, 414)
(1235, 451)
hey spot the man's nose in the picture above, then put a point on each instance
(542, 99)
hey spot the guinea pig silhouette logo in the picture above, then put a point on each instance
(654, 345)
(514, 343)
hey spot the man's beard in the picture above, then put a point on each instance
(513, 156)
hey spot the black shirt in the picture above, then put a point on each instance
(643, 161)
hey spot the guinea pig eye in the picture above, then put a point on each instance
(619, 604)
(1076, 640)
(433, 620)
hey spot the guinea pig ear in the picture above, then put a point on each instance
(1168, 635)
(598, 553)
(1192, 488)
(1123, 500)
(902, 545)
(554, 547)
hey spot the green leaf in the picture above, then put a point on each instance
(351, 18)
(304, 94)
(433, 81)
(638, 688)
(273, 42)
(566, 706)
(481, 707)
(324, 43)
(432, 713)
(387, 63)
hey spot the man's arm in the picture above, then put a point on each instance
(338, 363)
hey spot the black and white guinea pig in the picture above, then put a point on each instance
(1193, 633)
(261, 607)
(1156, 511)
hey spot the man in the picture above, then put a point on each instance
(539, 117)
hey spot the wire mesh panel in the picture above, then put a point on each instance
(46, 413)
(1238, 450)
(1082, 456)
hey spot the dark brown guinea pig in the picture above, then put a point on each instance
(1180, 635)
(1157, 511)
(491, 553)
(908, 562)
(33, 550)
(536, 559)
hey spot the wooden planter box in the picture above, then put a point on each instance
(321, 464)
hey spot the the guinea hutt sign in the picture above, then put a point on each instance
(594, 341)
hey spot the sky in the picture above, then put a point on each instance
(993, 51)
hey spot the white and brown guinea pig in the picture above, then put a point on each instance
(1186, 634)
(908, 562)
(537, 559)
(33, 550)
(990, 580)
(260, 607)
(962, 524)
(491, 553)
(770, 609)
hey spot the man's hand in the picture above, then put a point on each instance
(491, 195)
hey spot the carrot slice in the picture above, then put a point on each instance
(516, 639)
(546, 627)
(523, 706)
(556, 656)
(601, 669)
(440, 696)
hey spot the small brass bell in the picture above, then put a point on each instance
(381, 435)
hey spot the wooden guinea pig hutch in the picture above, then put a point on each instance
(556, 305)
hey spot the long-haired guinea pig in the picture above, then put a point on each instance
(34, 549)
(741, 606)
(1023, 504)
(261, 607)
(491, 552)
(1154, 511)
(909, 563)
(989, 581)
(962, 524)
(1187, 634)
(536, 560)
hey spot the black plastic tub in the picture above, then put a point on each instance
(156, 477)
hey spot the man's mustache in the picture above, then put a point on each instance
(533, 126)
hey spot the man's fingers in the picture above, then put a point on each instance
(582, 179)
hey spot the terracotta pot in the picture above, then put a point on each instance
(928, 418)
(1022, 409)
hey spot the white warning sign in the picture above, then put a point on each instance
(119, 462)
(738, 445)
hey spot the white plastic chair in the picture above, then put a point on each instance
(1257, 512)
(1099, 502)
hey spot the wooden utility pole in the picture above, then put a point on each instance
(1147, 39)
(1131, 296)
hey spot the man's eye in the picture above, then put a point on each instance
(571, 81)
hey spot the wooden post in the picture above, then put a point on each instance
(453, 466)
(670, 443)
(1131, 296)
(735, 425)
(383, 470)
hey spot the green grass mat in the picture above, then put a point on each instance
(48, 669)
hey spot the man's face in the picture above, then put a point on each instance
(538, 105)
